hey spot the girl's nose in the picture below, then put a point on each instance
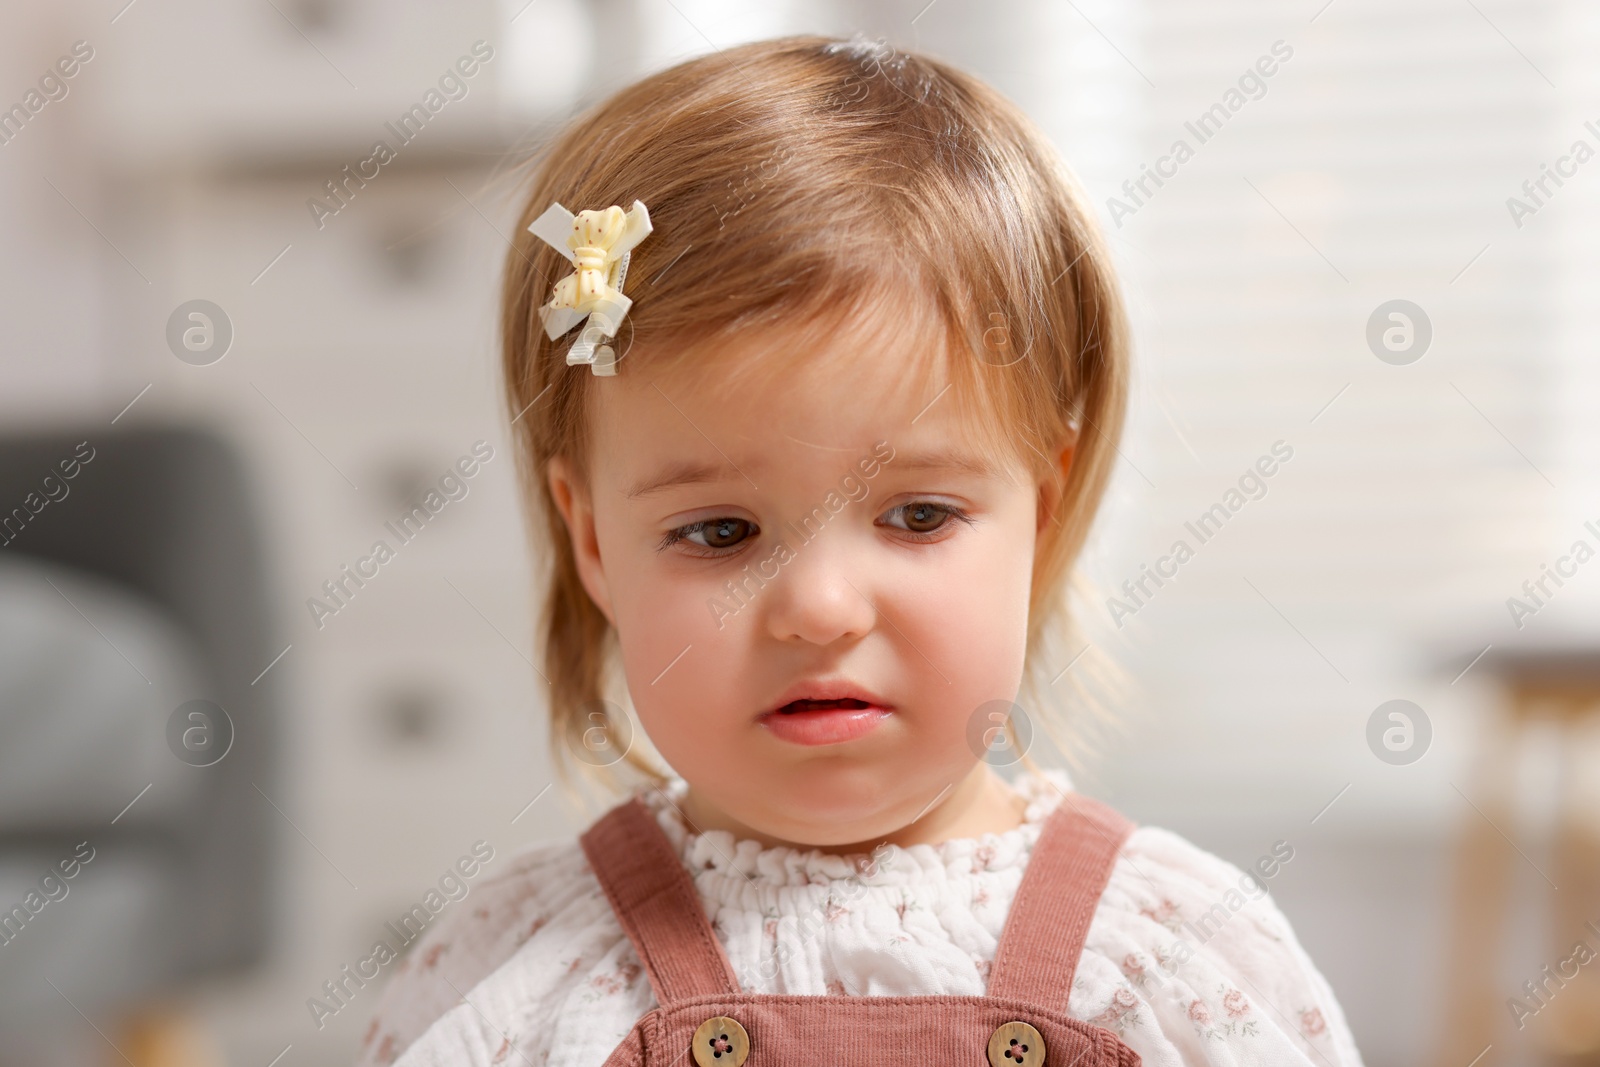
(820, 595)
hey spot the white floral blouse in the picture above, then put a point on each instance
(533, 968)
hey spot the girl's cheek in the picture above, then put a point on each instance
(675, 644)
(970, 618)
(668, 614)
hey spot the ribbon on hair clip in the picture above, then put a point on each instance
(598, 244)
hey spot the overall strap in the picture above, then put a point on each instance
(657, 904)
(1044, 932)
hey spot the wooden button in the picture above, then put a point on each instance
(722, 1042)
(1016, 1044)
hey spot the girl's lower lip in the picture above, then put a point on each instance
(824, 726)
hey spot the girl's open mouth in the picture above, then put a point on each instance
(823, 722)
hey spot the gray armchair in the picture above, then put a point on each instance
(131, 587)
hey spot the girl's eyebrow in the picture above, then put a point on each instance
(683, 472)
(689, 472)
(943, 460)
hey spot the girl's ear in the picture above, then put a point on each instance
(577, 511)
(1050, 492)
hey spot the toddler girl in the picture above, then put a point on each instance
(817, 366)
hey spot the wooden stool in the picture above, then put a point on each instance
(163, 1035)
(1559, 688)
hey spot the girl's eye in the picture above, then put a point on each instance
(718, 535)
(925, 518)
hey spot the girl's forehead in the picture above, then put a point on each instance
(804, 410)
(784, 399)
(877, 344)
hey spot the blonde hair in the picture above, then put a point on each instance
(823, 175)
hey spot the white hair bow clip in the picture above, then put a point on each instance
(599, 245)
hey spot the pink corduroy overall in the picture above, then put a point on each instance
(703, 1018)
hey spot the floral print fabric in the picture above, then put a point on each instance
(538, 971)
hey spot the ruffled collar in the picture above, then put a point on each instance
(720, 855)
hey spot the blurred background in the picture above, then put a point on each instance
(1374, 265)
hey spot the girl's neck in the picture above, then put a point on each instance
(980, 803)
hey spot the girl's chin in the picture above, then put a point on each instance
(834, 809)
